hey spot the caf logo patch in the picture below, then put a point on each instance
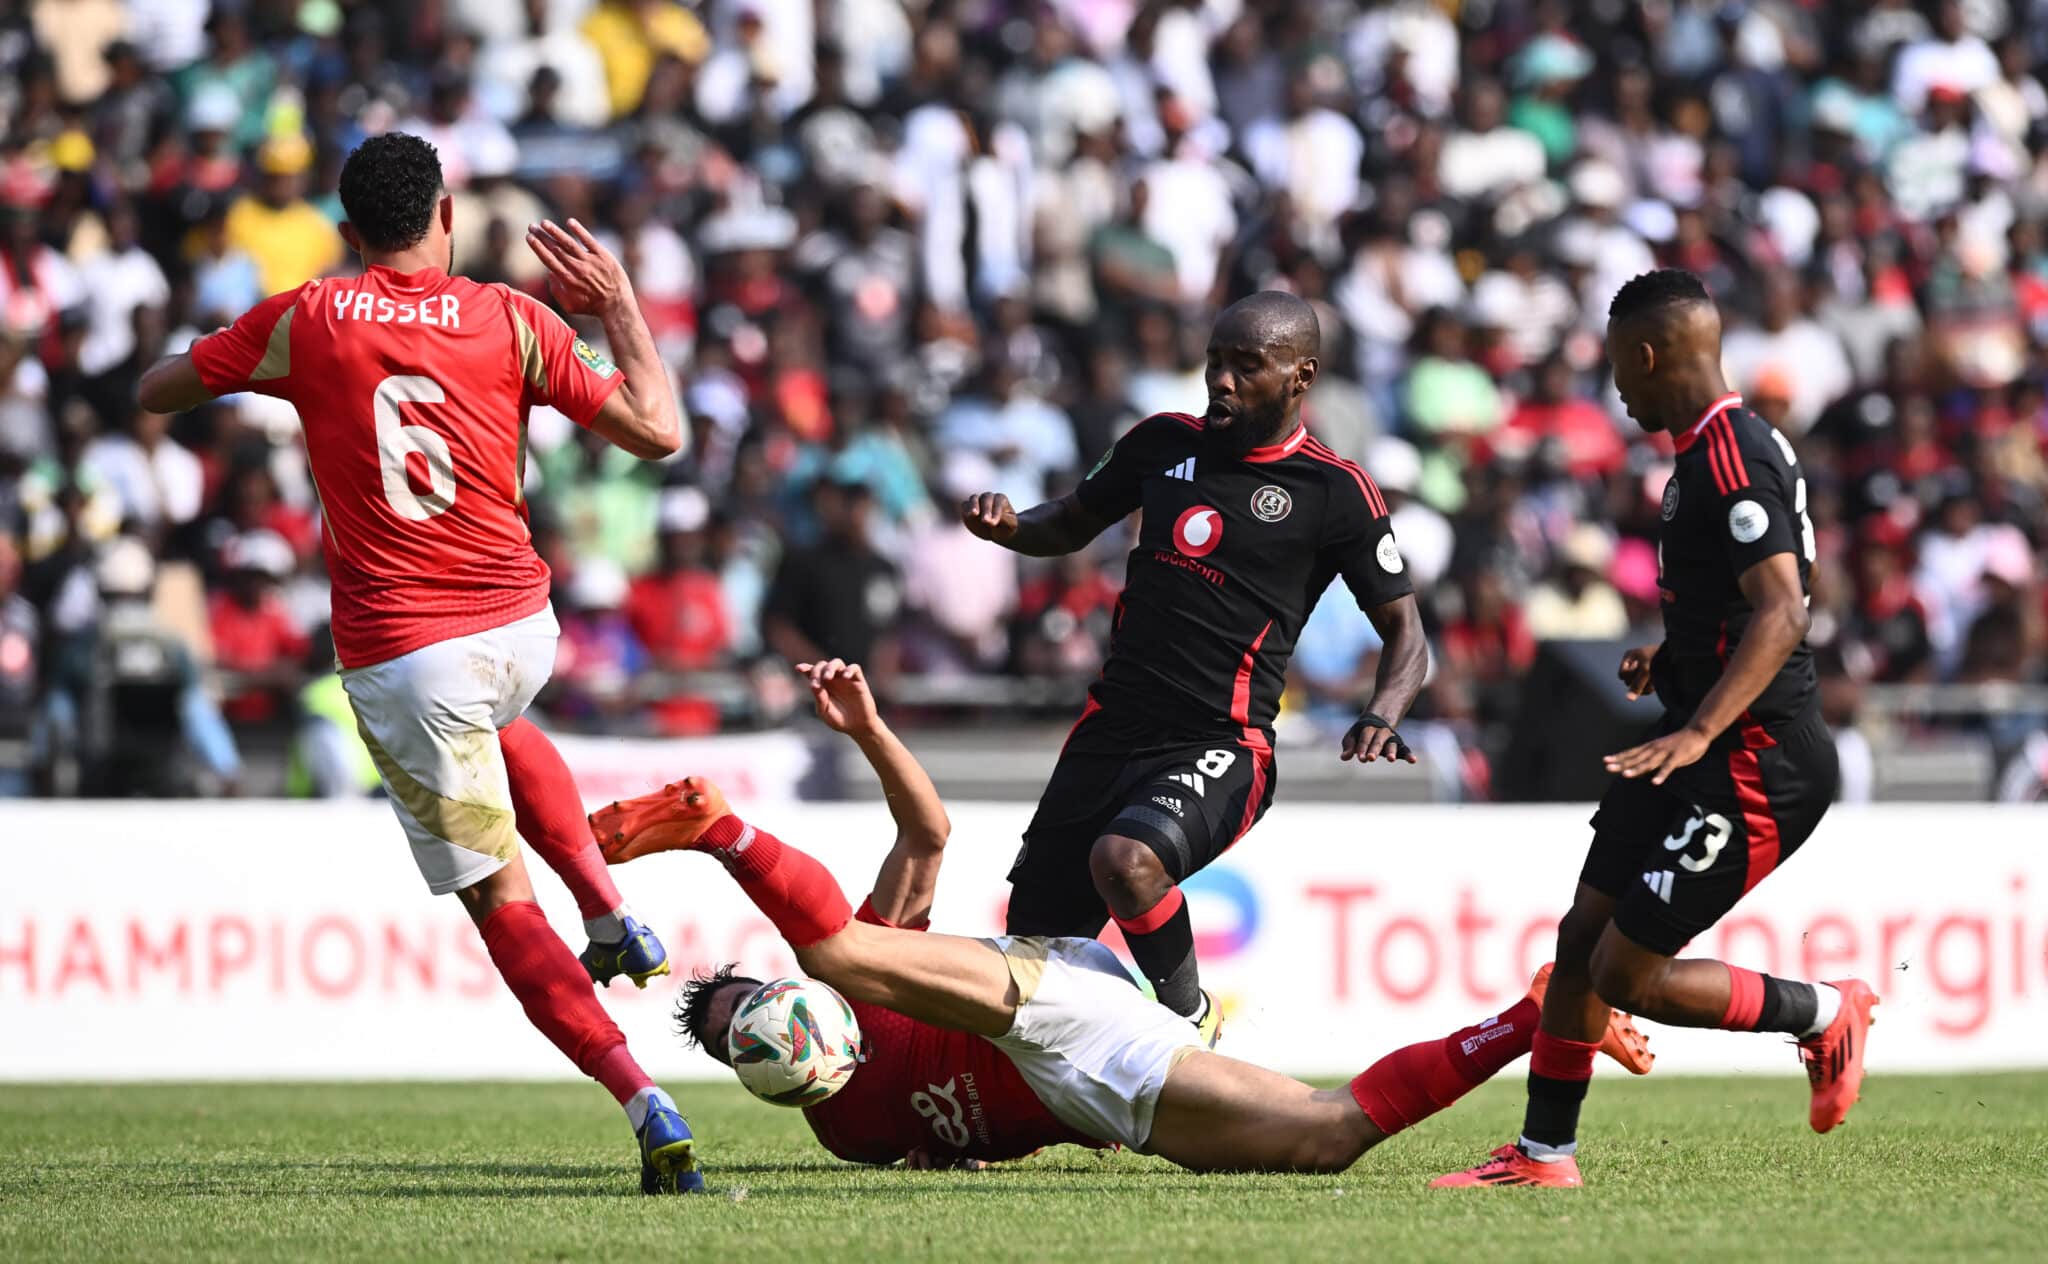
(1746, 521)
(1671, 498)
(1271, 503)
(594, 361)
(1388, 554)
(1197, 532)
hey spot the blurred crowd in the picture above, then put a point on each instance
(896, 253)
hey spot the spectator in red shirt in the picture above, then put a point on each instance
(253, 634)
(1591, 446)
(678, 611)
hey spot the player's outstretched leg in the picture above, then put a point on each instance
(947, 980)
(1152, 913)
(1218, 1114)
(1831, 1021)
(550, 818)
(557, 996)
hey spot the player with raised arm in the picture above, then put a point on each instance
(986, 1049)
(1246, 520)
(413, 387)
(1743, 767)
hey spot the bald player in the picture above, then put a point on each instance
(1741, 768)
(1245, 521)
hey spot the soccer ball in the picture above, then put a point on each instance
(793, 1042)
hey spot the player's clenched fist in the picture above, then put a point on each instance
(587, 279)
(989, 516)
(1635, 670)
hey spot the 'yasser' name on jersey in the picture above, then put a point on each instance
(441, 310)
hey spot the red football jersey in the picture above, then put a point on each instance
(950, 1092)
(413, 391)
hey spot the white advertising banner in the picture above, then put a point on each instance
(227, 940)
(753, 768)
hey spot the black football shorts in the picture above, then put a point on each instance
(1677, 857)
(1188, 804)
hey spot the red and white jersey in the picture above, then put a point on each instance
(413, 391)
(949, 1093)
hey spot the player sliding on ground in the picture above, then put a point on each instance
(1742, 770)
(1246, 519)
(413, 388)
(984, 1049)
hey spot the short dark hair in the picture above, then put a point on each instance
(693, 1003)
(1652, 292)
(390, 186)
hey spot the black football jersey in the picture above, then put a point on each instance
(1232, 555)
(1737, 497)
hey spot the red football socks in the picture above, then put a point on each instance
(554, 990)
(1409, 1085)
(620, 1075)
(790, 887)
(549, 809)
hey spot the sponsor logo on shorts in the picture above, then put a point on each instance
(1660, 883)
(1168, 802)
(1192, 780)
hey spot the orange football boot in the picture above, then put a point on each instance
(1834, 1059)
(1509, 1166)
(672, 818)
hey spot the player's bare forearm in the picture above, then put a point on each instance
(1775, 630)
(1404, 662)
(171, 385)
(588, 279)
(1053, 529)
(914, 804)
(651, 428)
(910, 873)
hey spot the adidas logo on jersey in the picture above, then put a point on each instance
(1169, 803)
(1185, 471)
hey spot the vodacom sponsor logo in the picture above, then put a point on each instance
(1198, 531)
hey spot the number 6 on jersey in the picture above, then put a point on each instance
(397, 440)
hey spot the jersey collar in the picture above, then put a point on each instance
(1715, 409)
(1274, 451)
(420, 280)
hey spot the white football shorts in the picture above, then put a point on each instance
(1094, 1048)
(431, 721)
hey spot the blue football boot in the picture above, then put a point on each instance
(668, 1154)
(639, 956)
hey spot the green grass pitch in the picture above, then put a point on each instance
(1928, 1167)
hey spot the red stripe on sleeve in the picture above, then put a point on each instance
(1761, 825)
(1714, 464)
(1731, 453)
(1375, 503)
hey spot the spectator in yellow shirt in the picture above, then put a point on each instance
(290, 240)
(630, 34)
